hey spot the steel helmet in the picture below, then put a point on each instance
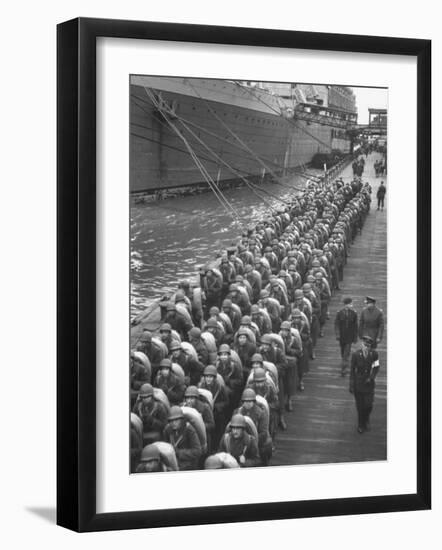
(238, 421)
(213, 311)
(274, 282)
(227, 303)
(195, 332)
(146, 336)
(257, 358)
(146, 390)
(246, 320)
(266, 339)
(210, 370)
(191, 391)
(259, 375)
(175, 345)
(179, 296)
(184, 284)
(165, 327)
(150, 452)
(248, 395)
(264, 294)
(285, 325)
(233, 288)
(310, 279)
(239, 278)
(212, 323)
(165, 363)
(175, 413)
(307, 287)
(224, 348)
(296, 313)
(298, 294)
(254, 309)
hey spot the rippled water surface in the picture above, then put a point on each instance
(171, 238)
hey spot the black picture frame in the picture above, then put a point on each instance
(76, 273)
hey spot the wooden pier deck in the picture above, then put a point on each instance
(322, 426)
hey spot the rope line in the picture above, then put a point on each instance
(223, 200)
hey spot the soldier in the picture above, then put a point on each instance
(150, 461)
(199, 345)
(140, 370)
(245, 349)
(273, 308)
(184, 439)
(192, 399)
(152, 413)
(259, 415)
(304, 331)
(261, 318)
(263, 387)
(209, 381)
(231, 373)
(178, 321)
(293, 350)
(169, 382)
(212, 284)
(364, 369)
(372, 322)
(166, 335)
(233, 312)
(346, 330)
(255, 281)
(380, 195)
(274, 355)
(192, 368)
(239, 443)
(325, 295)
(151, 349)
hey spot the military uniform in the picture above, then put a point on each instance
(245, 446)
(372, 324)
(346, 329)
(186, 443)
(154, 417)
(363, 371)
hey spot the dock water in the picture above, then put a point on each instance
(322, 427)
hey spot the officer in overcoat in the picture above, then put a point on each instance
(372, 321)
(346, 330)
(363, 371)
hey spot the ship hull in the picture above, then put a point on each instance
(232, 132)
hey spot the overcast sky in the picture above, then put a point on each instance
(369, 97)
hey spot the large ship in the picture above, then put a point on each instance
(189, 131)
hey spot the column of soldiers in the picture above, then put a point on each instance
(211, 389)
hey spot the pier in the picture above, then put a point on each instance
(322, 426)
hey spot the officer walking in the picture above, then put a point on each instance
(363, 371)
(372, 321)
(346, 329)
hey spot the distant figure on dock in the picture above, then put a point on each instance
(346, 329)
(380, 195)
(364, 369)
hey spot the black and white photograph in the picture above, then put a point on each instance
(258, 273)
